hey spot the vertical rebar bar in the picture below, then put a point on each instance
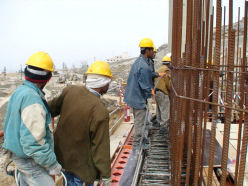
(237, 54)
(223, 51)
(189, 90)
(229, 94)
(245, 131)
(242, 96)
(215, 90)
(205, 85)
(228, 112)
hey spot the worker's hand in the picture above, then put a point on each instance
(153, 94)
(162, 74)
(56, 171)
(106, 181)
(149, 104)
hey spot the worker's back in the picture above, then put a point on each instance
(163, 84)
(139, 84)
(82, 127)
(22, 136)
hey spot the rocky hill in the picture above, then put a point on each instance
(121, 68)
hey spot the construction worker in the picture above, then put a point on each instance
(27, 136)
(82, 143)
(138, 91)
(162, 91)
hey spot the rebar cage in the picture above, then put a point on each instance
(209, 94)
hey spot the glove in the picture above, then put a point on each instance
(56, 171)
(162, 74)
(149, 104)
(106, 181)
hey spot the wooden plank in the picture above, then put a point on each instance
(205, 175)
(215, 181)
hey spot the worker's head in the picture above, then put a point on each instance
(39, 69)
(167, 60)
(208, 65)
(99, 77)
(154, 52)
(146, 47)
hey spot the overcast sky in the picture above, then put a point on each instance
(73, 31)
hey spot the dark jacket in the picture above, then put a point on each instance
(139, 84)
(154, 74)
(81, 139)
(164, 83)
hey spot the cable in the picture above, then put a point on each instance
(64, 178)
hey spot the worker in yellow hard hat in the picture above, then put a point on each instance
(27, 136)
(138, 93)
(162, 91)
(139, 85)
(83, 128)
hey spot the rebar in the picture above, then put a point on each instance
(204, 94)
(156, 168)
(216, 90)
(245, 131)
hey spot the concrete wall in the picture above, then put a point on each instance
(184, 22)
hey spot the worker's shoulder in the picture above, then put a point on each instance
(26, 96)
(164, 68)
(99, 108)
(74, 89)
(25, 91)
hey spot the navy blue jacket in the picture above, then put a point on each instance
(139, 84)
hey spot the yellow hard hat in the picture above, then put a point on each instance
(212, 62)
(100, 68)
(166, 59)
(154, 49)
(41, 60)
(146, 43)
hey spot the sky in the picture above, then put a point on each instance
(236, 5)
(81, 31)
(78, 31)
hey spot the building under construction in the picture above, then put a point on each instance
(208, 136)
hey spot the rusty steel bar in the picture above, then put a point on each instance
(188, 121)
(223, 48)
(196, 48)
(179, 103)
(245, 131)
(237, 53)
(193, 82)
(198, 94)
(173, 128)
(205, 86)
(240, 104)
(228, 112)
(229, 94)
(215, 93)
